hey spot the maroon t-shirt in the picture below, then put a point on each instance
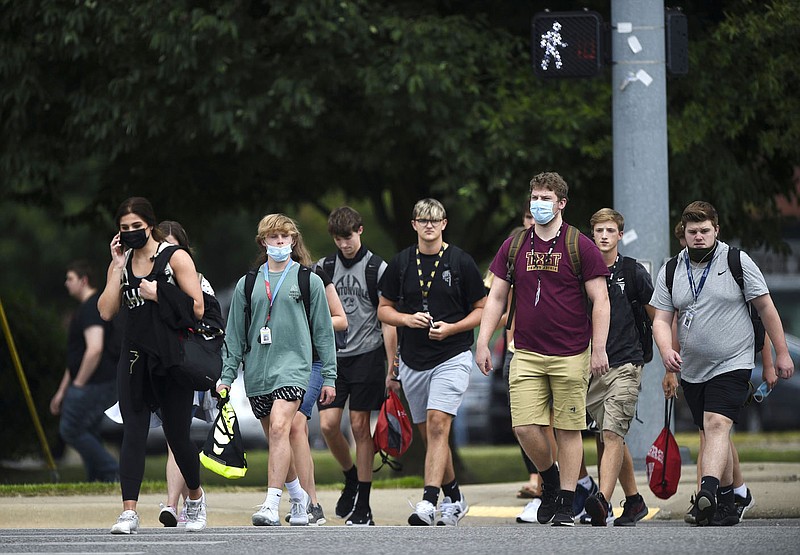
(559, 324)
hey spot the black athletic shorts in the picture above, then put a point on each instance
(724, 394)
(362, 378)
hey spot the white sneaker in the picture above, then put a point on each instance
(168, 517)
(127, 523)
(452, 512)
(298, 515)
(266, 516)
(424, 514)
(196, 514)
(530, 512)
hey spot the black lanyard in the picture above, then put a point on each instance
(426, 287)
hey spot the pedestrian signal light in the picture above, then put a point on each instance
(566, 44)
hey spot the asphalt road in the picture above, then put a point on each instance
(751, 537)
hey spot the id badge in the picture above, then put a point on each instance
(265, 337)
(687, 318)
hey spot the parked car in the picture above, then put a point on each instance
(778, 411)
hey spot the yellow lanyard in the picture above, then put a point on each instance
(426, 287)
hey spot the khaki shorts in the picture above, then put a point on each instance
(535, 380)
(611, 400)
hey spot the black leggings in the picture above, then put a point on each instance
(175, 401)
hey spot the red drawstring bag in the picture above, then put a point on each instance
(393, 432)
(664, 460)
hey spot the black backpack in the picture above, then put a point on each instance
(303, 282)
(644, 326)
(735, 265)
(370, 274)
(201, 346)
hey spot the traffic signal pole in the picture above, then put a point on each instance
(641, 173)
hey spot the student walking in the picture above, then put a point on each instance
(273, 339)
(556, 341)
(160, 307)
(433, 293)
(356, 273)
(611, 399)
(717, 347)
(88, 386)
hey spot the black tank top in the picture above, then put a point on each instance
(131, 294)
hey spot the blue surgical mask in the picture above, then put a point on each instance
(279, 254)
(542, 211)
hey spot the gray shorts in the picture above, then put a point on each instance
(441, 388)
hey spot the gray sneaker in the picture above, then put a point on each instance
(452, 511)
(298, 515)
(316, 517)
(127, 523)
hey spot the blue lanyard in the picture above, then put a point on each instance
(270, 295)
(696, 290)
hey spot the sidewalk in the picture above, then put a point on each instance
(775, 487)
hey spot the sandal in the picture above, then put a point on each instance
(528, 491)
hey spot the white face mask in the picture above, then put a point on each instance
(279, 254)
(542, 211)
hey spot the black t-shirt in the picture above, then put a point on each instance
(86, 316)
(623, 345)
(452, 293)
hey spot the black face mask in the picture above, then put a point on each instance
(701, 255)
(133, 239)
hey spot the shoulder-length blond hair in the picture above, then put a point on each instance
(280, 223)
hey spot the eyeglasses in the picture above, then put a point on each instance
(424, 222)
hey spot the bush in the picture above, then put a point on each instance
(40, 341)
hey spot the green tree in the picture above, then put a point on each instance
(734, 126)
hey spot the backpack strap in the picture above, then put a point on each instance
(672, 264)
(249, 284)
(629, 276)
(513, 250)
(735, 264)
(371, 275)
(574, 251)
(329, 264)
(403, 267)
(162, 259)
(304, 282)
(511, 262)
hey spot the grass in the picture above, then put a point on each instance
(484, 463)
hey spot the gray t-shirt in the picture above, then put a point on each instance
(363, 327)
(720, 336)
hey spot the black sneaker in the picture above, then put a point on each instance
(691, 515)
(547, 509)
(347, 500)
(632, 512)
(361, 517)
(725, 515)
(743, 504)
(564, 515)
(598, 508)
(705, 507)
(581, 495)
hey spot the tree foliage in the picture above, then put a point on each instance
(734, 126)
(199, 105)
(243, 107)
